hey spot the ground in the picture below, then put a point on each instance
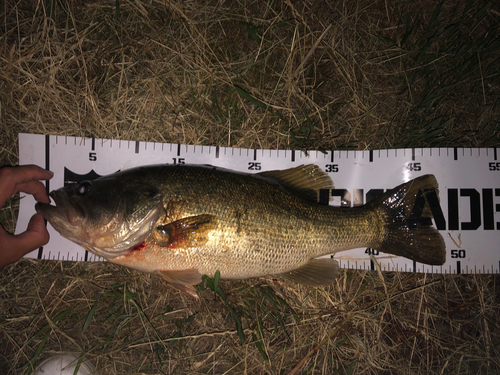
(302, 75)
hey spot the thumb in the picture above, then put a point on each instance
(13, 248)
(36, 235)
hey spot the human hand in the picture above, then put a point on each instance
(23, 179)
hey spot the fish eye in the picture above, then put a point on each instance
(84, 187)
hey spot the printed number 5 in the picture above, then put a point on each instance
(92, 156)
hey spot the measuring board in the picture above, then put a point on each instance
(467, 216)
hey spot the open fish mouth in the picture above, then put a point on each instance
(66, 217)
(115, 237)
(63, 210)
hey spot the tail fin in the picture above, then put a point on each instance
(408, 230)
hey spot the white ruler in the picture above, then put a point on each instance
(468, 215)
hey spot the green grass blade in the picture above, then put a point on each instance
(250, 98)
(90, 316)
(216, 280)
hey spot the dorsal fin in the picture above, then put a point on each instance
(306, 180)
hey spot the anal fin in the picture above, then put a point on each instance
(183, 280)
(316, 272)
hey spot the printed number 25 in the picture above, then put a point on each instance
(254, 166)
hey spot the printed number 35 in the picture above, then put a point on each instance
(332, 168)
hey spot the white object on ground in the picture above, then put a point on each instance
(65, 364)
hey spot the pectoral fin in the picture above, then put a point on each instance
(187, 232)
(316, 272)
(183, 280)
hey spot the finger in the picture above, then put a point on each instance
(35, 188)
(11, 177)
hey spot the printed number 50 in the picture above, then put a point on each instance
(458, 253)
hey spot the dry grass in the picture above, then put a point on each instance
(304, 75)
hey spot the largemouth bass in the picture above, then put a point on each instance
(182, 222)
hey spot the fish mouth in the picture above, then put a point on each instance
(65, 215)
(64, 210)
(109, 240)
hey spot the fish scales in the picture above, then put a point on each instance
(261, 228)
(182, 222)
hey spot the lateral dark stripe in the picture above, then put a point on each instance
(47, 161)
(324, 197)
(47, 183)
